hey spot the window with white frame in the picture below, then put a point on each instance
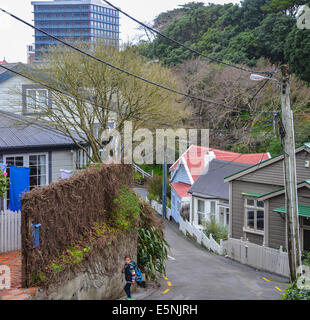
(212, 209)
(201, 211)
(254, 214)
(36, 100)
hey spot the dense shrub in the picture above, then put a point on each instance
(218, 231)
(4, 183)
(293, 293)
(152, 247)
(155, 188)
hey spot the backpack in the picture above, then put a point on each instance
(139, 277)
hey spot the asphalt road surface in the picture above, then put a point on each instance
(194, 273)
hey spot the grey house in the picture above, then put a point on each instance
(46, 151)
(257, 201)
(210, 194)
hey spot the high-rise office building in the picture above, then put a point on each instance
(74, 20)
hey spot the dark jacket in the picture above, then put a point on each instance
(130, 272)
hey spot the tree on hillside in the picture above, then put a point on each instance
(242, 131)
(297, 48)
(271, 36)
(98, 93)
(252, 13)
(238, 34)
(289, 7)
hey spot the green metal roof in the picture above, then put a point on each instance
(281, 189)
(306, 144)
(303, 210)
(252, 194)
(259, 195)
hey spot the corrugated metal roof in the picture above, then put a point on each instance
(5, 74)
(212, 182)
(21, 132)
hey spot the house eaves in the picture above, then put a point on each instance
(272, 194)
(19, 132)
(305, 146)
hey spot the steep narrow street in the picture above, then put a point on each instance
(194, 273)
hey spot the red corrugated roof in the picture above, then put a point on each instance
(195, 158)
(3, 62)
(181, 189)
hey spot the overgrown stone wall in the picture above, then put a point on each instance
(98, 277)
(80, 253)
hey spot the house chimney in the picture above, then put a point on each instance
(208, 158)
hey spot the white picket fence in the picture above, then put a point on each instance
(259, 257)
(201, 237)
(10, 231)
(159, 208)
(187, 227)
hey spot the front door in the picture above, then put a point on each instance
(306, 239)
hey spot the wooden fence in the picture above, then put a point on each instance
(188, 228)
(259, 257)
(201, 237)
(10, 231)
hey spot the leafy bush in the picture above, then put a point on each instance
(138, 178)
(4, 183)
(152, 252)
(218, 231)
(127, 209)
(152, 247)
(155, 188)
(293, 293)
(155, 168)
(306, 258)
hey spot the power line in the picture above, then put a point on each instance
(183, 45)
(87, 100)
(127, 72)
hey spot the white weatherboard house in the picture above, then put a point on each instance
(210, 194)
(17, 96)
(46, 151)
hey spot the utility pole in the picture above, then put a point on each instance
(291, 198)
(165, 183)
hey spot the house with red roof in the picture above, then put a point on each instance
(194, 162)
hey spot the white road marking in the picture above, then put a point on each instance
(171, 258)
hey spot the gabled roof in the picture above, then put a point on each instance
(19, 132)
(305, 146)
(181, 189)
(194, 159)
(212, 182)
(5, 74)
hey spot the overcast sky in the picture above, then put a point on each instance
(15, 35)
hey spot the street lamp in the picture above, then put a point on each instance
(257, 77)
